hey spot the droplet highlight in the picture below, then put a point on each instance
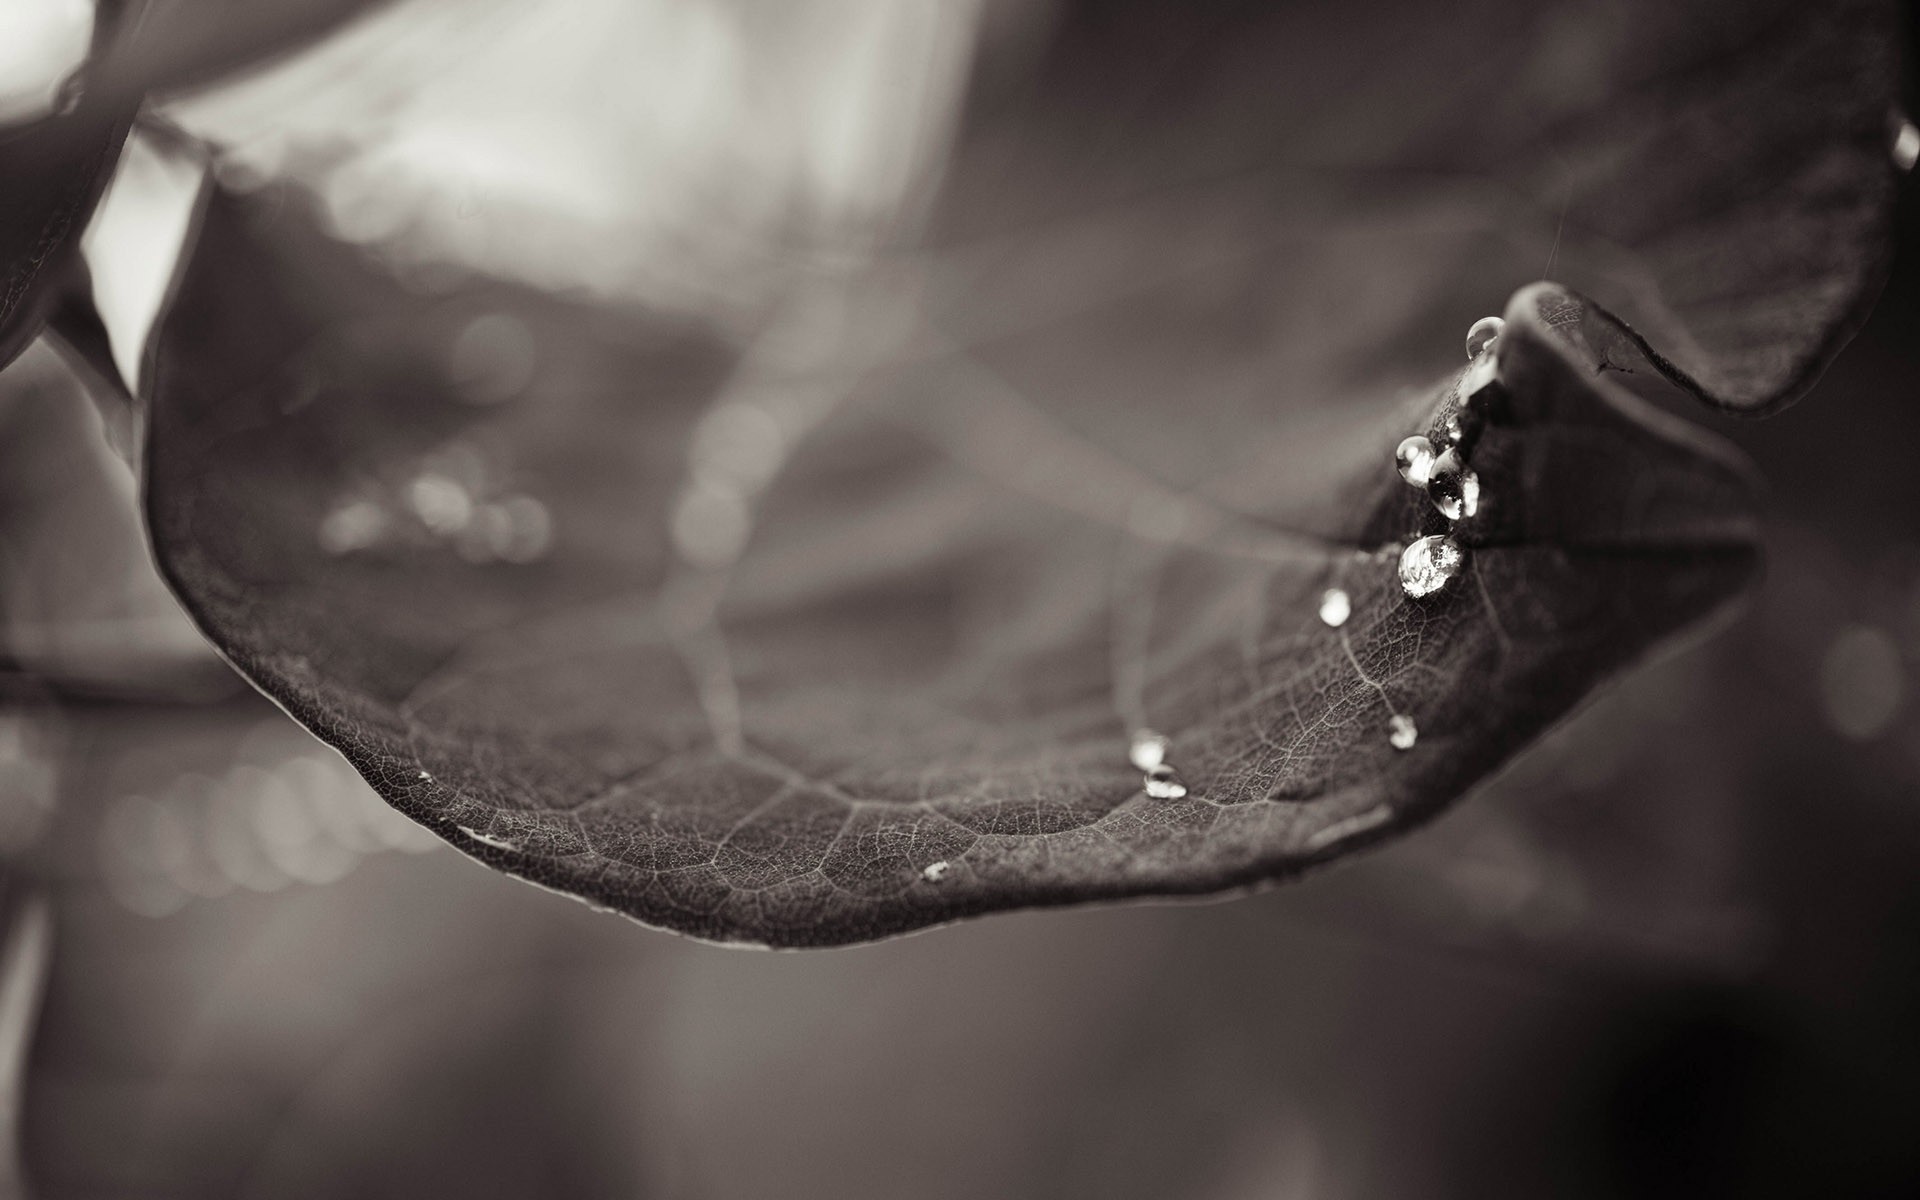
(1401, 731)
(935, 872)
(1484, 333)
(1163, 784)
(1414, 458)
(1335, 607)
(1906, 145)
(1429, 564)
(1149, 749)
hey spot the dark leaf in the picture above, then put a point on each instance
(1090, 464)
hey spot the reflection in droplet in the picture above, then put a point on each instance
(1163, 784)
(1428, 564)
(1483, 334)
(1401, 731)
(493, 358)
(355, 525)
(1862, 682)
(1454, 487)
(1906, 145)
(442, 505)
(711, 525)
(1414, 458)
(1148, 749)
(1335, 607)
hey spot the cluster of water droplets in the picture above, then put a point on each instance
(1442, 470)
(453, 497)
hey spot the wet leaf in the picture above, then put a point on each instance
(1091, 460)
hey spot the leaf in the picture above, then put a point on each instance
(55, 169)
(1087, 463)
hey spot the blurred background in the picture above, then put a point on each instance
(1673, 950)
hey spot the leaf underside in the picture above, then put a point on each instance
(1141, 417)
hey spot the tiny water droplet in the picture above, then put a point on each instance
(1484, 333)
(1335, 607)
(1163, 784)
(1414, 457)
(1401, 731)
(1450, 433)
(1906, 145)
(1454, 487)
(1149, 749)
(935, 872)
(488, 839)
(1428, 564)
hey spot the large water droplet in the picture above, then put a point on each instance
(1402, 732)
(1454, 487)
(1484, 333)
(1163, 784)
(1414, 457)
(1427, 565)
(1335, 607)
(1149, 749)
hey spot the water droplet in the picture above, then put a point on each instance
(352, 526)
(1484, 333)
(493, 358)
(1450, 433)
(1427, 565)
(935, 872)
(1906, 145)
(1401, 731)
(1861, 682)
(1335, 607)
(488, 839)
(740, 441)
(529, 527)
(442, 505)
(1149, 749)
(1414, 457)
(711, 524)
(1163, 784)
(1454, 487)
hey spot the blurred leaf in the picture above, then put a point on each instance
(1089, 463)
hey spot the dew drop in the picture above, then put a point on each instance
(1335, 607)
(1149, 749)
(1427, 565)
(935, 872)
(1401, 731)
(1163, 784)
(1454, 487)
(1906, 145)
(354, 525)
(1484, 333)
(1414, 457)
